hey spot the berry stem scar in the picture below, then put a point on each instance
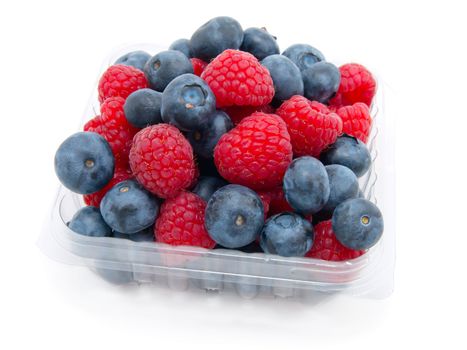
(240, 220)
(365, 220)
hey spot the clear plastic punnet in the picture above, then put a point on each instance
(249, 275)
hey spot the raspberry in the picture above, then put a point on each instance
(114, 127)
(357, 85)
(181, 222)
(356, 120)
(256, 153)
(327, 247)
(238, 79)
(198, 66)
(312, 126)
(120, 80)
(278, 203)
(237, 113)
(266, 199)
(195, 178)
(161, 159)
(94, 199)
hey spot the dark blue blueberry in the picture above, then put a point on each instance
(84, 162)
(303, 55)
(306, 185)
(129, 208)
(162, 68)
(207, 167)
(343, 184)
(207, 185)
(88, 221)
(320, 216)
(188, 103)
(287, 234)
(357, 223)
(204, 140)
(253, 247)
(215, 36)
(182, 45)
(350, 152)
(285, 75)
(143, 108)
(146, 235)
(259, 43)
(135, 59)
(234, 216)
(321, 81)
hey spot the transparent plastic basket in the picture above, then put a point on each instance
(249, 274)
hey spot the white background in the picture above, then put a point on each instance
(50, 55)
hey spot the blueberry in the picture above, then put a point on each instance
(306, 185)
(285, 75)
(357, 223)
(321, 81)
(303, 55)
(135, 59)
(253, 247)
(204, 140)
(143, 108)
(234, 216)
(343, 184)
(129, 208)
(162, 68)
(215, 36)
(259, 43)
(322, 215)
(145, 235)
(88, 221)
(207, 185)
(182, 45)
(350, 152)
(207, 167)
(287, 234)
(84, 162)
(187, 103)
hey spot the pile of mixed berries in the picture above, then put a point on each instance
(223, 142)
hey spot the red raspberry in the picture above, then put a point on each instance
(161, 159)
(256, 153)
(120, 80)
(266, 199)
(198, 66)
(238, 79)
(94, 199)
(181, 222)
(312, 126)
(327, 247)
(357, 85)
(278, 203)
(113, 126)
(195, 178)
(237, 113)
(356, 120)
